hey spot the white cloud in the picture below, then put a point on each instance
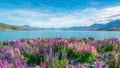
(85, 17)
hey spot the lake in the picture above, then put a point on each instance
(15, 35)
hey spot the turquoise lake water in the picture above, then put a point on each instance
(15, 35)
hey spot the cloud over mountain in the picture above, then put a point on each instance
(47, 18)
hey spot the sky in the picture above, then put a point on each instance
(58, 13)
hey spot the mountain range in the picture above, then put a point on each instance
(112, 25)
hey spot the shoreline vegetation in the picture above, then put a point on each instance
(60, 53)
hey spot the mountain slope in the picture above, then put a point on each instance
(112, 24)
(10, 27)
(27, 27)
(97, 26)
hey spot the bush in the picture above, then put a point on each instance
(85, 57)
(74, 54)
(115, 62)
(5, 43)
(107, 47)
(56, 63)
(60, 50)
(82, 57)
(99, 48)
(32, 58)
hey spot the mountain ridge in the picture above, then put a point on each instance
(112, 25)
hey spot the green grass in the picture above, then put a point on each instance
(10, 27)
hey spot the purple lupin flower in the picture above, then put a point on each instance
(99, 64)
(63, 56)
(50, 52)
(1, 64)
(17, 64)
(56, 55)
(24, 65)
(4, 64)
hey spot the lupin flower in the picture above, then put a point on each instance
(50, 52)
(64, 55)
(67, 65)
(17, 63)
(99, 64)
(4, 64)
(116, 60)
(43, 65)
(79, 66)
(106, 66)
(45, 46)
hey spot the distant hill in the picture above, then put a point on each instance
(97, 26)
(15, 27)
(113, 25)
(27, 27)
(10, 27)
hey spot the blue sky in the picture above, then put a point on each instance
(58, 13)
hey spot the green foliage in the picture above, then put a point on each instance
(73, 54)
(56, 63)
(60, 63)
(32, 58)
(85, 57)
(99, 48)
(10, 27)
(82, 57)
(5, 43)
(60, 50)
(115, 46)
(108, 47)
(111, 47)
(112, 63)
(1, 44)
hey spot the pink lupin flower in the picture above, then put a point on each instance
(43, 65)
(70, 66)
(116, 60)
(80, 66)
(67, 65)
(106, 66)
